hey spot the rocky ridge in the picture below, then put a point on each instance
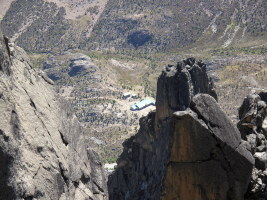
(186, 148)
(146, 26)
(178, 84)
(42, 146)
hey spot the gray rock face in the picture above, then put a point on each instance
(42, 148)
(188, 149)
(252, 125)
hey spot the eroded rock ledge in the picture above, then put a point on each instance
(187, 149)
(42, 148)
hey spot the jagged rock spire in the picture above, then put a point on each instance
(188, 149)
(179, 83)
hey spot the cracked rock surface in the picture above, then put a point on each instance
(187, 149)
(42, 148)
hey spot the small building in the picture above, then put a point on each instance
(126, 95)
(143, 104)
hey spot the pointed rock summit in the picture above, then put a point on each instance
(178, 84)
(187, 149)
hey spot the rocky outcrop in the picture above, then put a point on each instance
(208, 160)
(42, 147)
(178, 84)
(187, 149)
(253, 126)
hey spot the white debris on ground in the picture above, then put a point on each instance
(110, 167)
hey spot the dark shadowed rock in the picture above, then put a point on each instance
(207, 159)
(142, 165)
(4, 56)
(187, 150)
(219, 123)
(251, 114)
(222, 143)
(42, 146)
(252, 125)
(260, 160)
(178, 84)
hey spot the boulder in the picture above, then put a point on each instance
(251, 114)
(261, 160)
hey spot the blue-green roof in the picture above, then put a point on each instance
(142, 104)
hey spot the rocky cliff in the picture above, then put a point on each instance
(186, 149)
(42, 148)
(253, 126)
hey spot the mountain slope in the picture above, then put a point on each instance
(147, 26)
(51, 25)
(164, 25)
